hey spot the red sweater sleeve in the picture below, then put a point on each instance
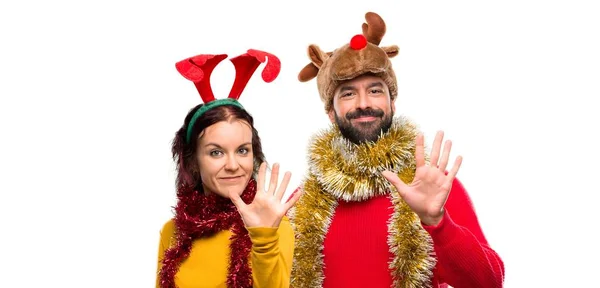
(465, 259)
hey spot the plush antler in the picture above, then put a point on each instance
(198, 70)
(374, 29)
(307, 73)
(311, 70)
(246, 64)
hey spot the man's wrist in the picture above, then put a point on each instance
(432, 220)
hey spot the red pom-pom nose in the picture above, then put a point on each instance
(358, 42)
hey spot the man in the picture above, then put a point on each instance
(358, 224)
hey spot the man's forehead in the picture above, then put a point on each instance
(363, 81)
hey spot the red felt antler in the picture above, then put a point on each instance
(198, 70)
(246, 64)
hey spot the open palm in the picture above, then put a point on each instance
(266, 210)
(428, 192)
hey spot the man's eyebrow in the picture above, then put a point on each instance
(352, 87)
(347, 87)
(375, 84)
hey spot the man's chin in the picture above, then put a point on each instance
(360, 138)
(368, 132)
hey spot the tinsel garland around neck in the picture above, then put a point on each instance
(197, 216)
(341, 170)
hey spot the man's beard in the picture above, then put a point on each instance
(364, 131)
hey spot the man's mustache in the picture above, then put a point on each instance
(369, 112)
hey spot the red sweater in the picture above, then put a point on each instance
(356, 253)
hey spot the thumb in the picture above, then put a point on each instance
(396, 181)
(236, 199)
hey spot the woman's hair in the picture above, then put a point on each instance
(184, 154)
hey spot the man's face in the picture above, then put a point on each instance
(362, 108)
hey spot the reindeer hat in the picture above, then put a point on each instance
(362, 55)
(199, 68)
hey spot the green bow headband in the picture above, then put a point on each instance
(206, 107)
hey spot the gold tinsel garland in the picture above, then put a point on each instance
(340, 169)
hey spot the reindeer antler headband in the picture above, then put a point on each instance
(199, 68)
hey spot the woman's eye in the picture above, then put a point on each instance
(243, 151)
(216, 153)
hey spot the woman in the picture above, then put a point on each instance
(228, 231)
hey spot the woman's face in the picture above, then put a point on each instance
(225, 157)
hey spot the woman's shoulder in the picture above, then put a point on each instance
(168, 229)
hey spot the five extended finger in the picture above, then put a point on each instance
(273, 179)
(396, 181)
(284, 183)
(420, 150)
(237, 200)
(260, 183)
(445, 155)
(454, 171)
(435, 149)
(292, 201)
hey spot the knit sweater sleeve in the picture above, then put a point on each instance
(165, 235)
(465, 259)
(271, 255)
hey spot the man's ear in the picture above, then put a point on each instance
(331, 115)
(394, 104)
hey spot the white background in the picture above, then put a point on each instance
(90, 101)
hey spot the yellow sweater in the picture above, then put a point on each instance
(270, 257)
